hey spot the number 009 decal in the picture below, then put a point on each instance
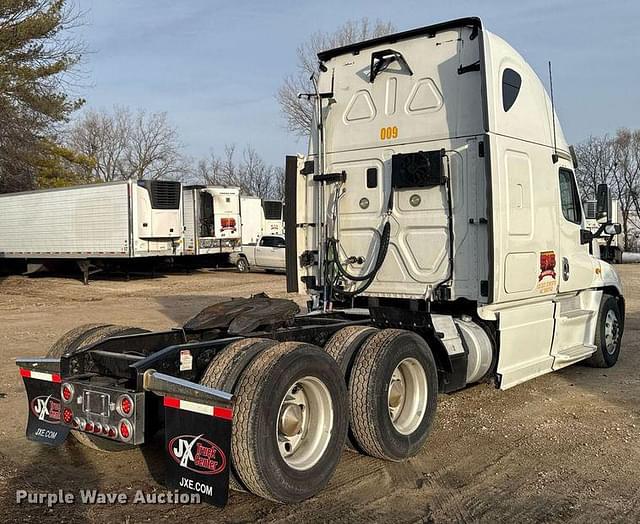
(387, 133)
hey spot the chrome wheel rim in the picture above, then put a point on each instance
(304, 423)
(611, 331)
(242, 266)
(407, 396)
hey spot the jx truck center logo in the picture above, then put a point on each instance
(197, 454)
(46, 409)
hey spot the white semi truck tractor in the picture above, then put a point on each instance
(437, 230)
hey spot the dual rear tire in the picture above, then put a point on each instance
(393, 388)
(290, 416)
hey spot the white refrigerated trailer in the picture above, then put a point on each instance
(260, 217)
(211, 216)
(92, 224)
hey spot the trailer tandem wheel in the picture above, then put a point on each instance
(290, 422)
(393, 394)
(73, 341)
(223, 373)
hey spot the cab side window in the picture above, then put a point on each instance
(569, 198)
(266, 242)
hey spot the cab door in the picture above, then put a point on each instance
(267, 252)
(574, 316)
(574, 267)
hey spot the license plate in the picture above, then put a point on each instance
(95, 403)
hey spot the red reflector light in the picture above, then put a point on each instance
(97, 428)
(112, 432)
(125, 429)
(67, 392)
(106, 430)
(67, 416)
(125, 405)
(88, 426)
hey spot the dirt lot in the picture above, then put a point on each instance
(565, 446)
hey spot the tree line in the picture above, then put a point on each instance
(43, 143)
(614, 160)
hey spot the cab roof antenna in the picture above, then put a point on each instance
(554, 156)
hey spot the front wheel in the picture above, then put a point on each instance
(608, 333)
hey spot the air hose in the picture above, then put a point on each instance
(333, 260)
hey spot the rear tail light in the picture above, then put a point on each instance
(125, 429)
(67, 416)
(66, 392)
(228, 223)
(124, 406)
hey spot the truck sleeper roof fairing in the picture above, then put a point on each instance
(404, 35)
(495, 55)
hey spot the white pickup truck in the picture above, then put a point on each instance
(267, 254)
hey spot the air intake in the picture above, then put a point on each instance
(165, 194)
(272, 209)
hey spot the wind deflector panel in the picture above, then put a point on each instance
(165, 194)
(419, 169)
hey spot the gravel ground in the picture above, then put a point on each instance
(565, 446)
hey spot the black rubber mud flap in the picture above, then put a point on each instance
(45, 407)
(197, 437)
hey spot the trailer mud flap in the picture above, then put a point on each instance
(45, 407)
(197, 436)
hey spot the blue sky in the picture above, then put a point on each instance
(215, 66)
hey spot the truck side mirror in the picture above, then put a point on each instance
(586, 236)
(612, 229)
(603, 203)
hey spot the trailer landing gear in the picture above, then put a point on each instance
(87, 269)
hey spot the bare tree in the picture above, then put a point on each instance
(250, 172)
(103, 137)
(123, 145)
(597, 163)
(616, 162)
(298, 112)
(154, 148)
